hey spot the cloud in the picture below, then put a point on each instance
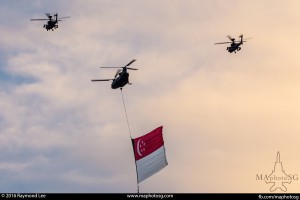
(224, 115)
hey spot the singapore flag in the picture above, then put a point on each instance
(149, 153)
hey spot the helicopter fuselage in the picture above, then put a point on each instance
(50, 25)
(120, 81)
(234, 47)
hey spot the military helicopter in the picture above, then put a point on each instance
(121, 77)
(52, 23)
(235, 46)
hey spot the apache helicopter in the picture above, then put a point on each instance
(235, 46)
(121, 77)
(52, 23)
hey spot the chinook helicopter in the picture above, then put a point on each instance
(121, 77)
(52, 23)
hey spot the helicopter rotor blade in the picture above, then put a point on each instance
(37, 19)
(111, 67)
(102, 79)
(223, 42)
(124, 66)
(64, 17)
(243, 41)
(130, 62)
(121, 67)
(131, 68)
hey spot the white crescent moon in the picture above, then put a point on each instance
(138, 147)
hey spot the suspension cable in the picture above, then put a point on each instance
(126, 113)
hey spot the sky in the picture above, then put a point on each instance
(224, 115)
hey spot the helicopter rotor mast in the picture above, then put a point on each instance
(50, 17)
(233, 40)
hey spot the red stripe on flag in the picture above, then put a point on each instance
(148, 143)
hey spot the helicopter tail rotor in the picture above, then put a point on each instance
(55, 15)
(241, 36)
(244, 39)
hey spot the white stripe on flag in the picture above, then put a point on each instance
(151, 164)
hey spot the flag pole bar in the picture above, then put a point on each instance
(138, 187)
(137, 178)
